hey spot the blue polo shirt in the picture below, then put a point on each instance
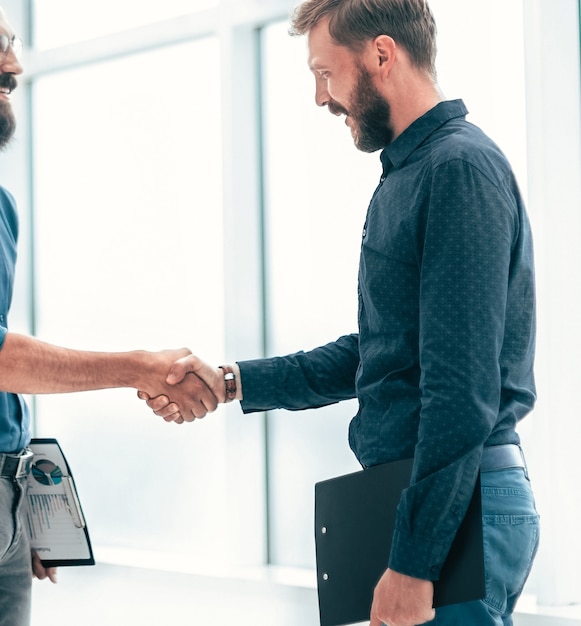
(442, 364)
(14, 415)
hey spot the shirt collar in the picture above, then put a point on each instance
(396, 153)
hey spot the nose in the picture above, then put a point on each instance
(10, 64)
(322, 97)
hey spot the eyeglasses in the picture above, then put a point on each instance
(6, 43)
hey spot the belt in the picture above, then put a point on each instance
(16, 465)
(503, 457)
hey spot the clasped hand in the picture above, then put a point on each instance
(192, 389)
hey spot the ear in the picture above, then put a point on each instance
(384, 50)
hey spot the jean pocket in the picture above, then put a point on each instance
(510, 545)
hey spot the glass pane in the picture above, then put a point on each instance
(60, 22)
(318, 188)
(481, 60)
(128, 227)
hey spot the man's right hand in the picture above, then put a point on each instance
(190, 376)
(192, 398)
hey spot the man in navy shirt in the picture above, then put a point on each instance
(29, 366)
(442, 365)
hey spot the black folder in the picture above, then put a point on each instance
(354, 524)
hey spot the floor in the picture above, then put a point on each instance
(110, 595)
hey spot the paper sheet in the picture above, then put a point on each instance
(54, 517)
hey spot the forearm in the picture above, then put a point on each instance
(302, 380)
(297, 381)
(31, 366)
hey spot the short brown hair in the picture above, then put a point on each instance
(353, 22)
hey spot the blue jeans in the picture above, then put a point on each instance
(511, 537)
(15, 565)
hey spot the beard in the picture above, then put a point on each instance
(7, 119)
(7, 124)
(370, 115)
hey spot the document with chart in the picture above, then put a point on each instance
(56, 525)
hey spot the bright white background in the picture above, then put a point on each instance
(178, 186)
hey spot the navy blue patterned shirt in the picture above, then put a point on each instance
(443, 362)
(14, 416)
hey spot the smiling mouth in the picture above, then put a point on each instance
(5, 91)
(336, 109)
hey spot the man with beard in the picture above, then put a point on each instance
(442, 365)
(29, 366)
(7, 86)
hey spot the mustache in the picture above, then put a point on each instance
(335, 108)
(8, 81)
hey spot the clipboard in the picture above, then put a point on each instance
(354, 524)
(54, 517)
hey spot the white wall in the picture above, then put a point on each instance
(554, 156)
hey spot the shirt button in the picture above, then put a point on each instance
(364, 232)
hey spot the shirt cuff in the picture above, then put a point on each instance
(259, 381)
(416, 557)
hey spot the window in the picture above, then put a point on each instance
(317, 190)
(128, 213)
(136, 161)
(61, 22)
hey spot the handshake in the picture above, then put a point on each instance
(176, 385)
(190, 390)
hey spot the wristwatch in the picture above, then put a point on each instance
(229, 383)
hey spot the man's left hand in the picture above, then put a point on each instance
(40, 571)
(400, 600)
